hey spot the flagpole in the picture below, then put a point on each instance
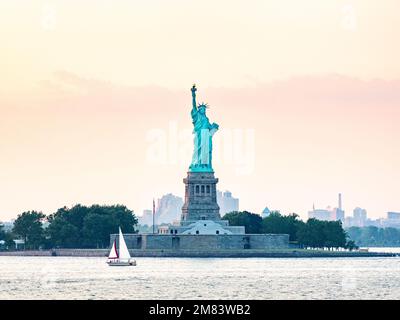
(154, 213)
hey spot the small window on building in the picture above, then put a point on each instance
(197, 189)
(176, 231)
(202, 189)
(217, 232)
(203, 217)
(208, 189)
(172, 231)
(197, 231)
(205, 224)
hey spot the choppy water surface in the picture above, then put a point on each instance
(205, 278)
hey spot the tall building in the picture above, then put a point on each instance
(338, 213)
(328, 214)
(226, 202)
(320, 214)
(392, 221)
(146, 218)
(359, 217)
(168, 210)
(393, 215)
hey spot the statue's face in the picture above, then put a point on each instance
(202, 110)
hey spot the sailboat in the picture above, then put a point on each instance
(120, 257)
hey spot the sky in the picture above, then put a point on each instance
(95, 102)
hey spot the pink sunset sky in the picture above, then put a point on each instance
(95, 101)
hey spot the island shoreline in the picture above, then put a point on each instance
(246, 253)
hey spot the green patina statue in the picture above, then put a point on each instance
(203, 132)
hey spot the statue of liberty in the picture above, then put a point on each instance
(203, 132)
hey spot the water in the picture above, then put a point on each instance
(387, 249)
(205, 278)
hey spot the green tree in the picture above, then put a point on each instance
(251, 221)
(9, 240)
(66, 227)
(62, 233)
(334, 235)
(322, 234)
(390, 237)
(7, 237)
(2, 232)
(371, 233)
(277, 223)
(311, 234)
(351, 245)
(28, 226)
(88, 227)
(354, 233)
(97, 229)
(373, 236)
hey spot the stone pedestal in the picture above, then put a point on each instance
(200, 197)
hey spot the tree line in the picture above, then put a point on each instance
(311, 234)
(90, 227)
(76, 227)
(375, 237)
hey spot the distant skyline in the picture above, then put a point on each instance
(95, 102)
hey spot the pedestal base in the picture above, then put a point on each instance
(200, 197)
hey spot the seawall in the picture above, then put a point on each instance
(243, 253)
(58, 252)
(204, 242)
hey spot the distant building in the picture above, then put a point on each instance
(392, 221)
(337, 214)
(8, 225)
(348, 222)
(360, 217)
(265, 213)
(19, 244)
(393, 215)
(168, 210)
(226, 202)
(379, 223)
(320, 214)
(328, 214)
(146, 218)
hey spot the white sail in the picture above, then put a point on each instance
(113, 252)
(123, 250)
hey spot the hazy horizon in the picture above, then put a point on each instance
(95, 102)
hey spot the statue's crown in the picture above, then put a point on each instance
(203, 105)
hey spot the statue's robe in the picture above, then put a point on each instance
(203, 132)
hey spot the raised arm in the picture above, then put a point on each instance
(194, 105)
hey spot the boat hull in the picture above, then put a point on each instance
(121, 263)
